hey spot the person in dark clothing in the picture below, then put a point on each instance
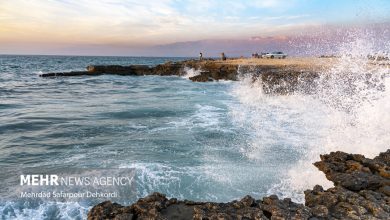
(223, 57)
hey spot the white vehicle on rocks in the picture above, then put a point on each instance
(275, 55)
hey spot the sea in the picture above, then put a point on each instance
(215, 141)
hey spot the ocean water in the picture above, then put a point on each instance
(214, 141)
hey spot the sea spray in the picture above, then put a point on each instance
(190, 72)
(347, 112)
(281, 127)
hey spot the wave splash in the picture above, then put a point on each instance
(348, 111)
(190, 72)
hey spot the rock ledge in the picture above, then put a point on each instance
(277, 76)
(362, 191)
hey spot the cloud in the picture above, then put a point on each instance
(86, 20)
(126, 22)
(135, 24)
(269, 3)
(286, 17)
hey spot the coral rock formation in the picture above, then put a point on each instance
(362, 189)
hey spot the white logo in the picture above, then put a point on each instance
(39, 180)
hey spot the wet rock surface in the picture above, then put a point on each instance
(276, 79)
(362, 189)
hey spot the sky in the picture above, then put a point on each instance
(131, 27)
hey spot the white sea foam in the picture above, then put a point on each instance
(286, 135)
(38, 72)
(46, 210)
(190, 72)
(154, 176)
(349, 112)
(206, 116)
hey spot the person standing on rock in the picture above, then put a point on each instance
(200, 56)
(223, 57)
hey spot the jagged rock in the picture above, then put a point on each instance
(119, 70)
(275, 208)
(107, 210)
(201, 78)
(168, 69)
(361, 192)
(355, 172)
(247, 208)
(361, 187)
(340, 203)
(275, 79)
(213, 70)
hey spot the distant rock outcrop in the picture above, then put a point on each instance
(362, 189)
(280, 79)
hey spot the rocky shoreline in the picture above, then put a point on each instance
(277, 76)
(361, 191)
